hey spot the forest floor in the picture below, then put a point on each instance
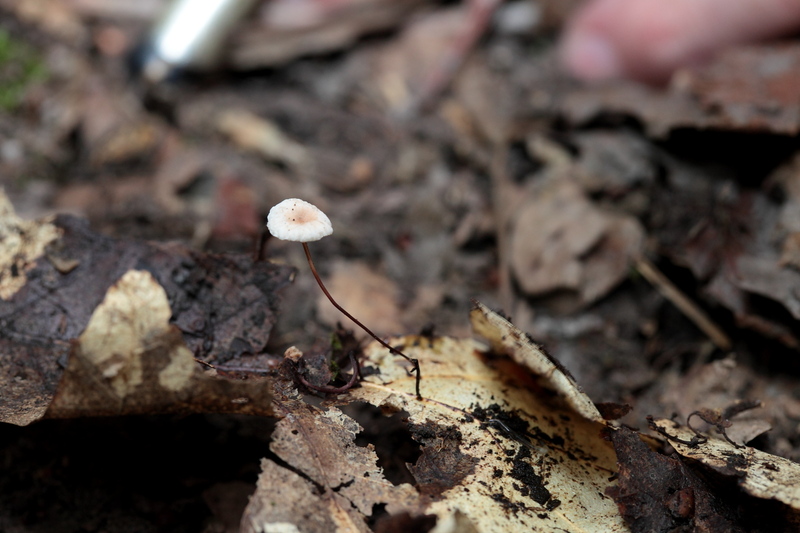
(649, 238)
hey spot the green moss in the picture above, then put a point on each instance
(336, 342)
(335, 369)
(20, 66)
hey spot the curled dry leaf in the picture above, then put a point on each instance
(498, 453)
(758, 473)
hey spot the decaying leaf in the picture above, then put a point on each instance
(758, 473)
(60, 272)
(23, 242)
(312, 27)
(498, 453)
(130, 360)
(254, 133)
(338, 482)
(510, 341)
(719, 385)
(661, 493)
(747, 88)
(364, 292)
(561, 241)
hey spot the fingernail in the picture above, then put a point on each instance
(591, 57)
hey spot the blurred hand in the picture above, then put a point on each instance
(647, 40)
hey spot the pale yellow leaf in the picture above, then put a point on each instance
(758, 473)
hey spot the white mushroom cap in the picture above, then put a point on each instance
(297, 220)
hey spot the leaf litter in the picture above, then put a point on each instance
(718, 224)
(97, 326)
(498, 450)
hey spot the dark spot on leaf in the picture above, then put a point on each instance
(523, 471)
(442, 465)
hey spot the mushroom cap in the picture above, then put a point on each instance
(297, 220)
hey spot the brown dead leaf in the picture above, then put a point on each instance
(757, 473)
(338, 481)
(747, 88)
(363, 292)
(498, 454)
(561, 241)
(660, 493)
(255, 133)
(281, 34)
(284, 498)
(130, 360)
(236, 207)
(750, 88)
(410, 71)
(767, 277)
(113, 127)
(737, 246)
(60, 272)
(715, 386)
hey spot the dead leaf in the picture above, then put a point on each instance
(363, 292)
(316, 27)
(613, 162)
(113, 127)
(23, 243)
(715, 386)
(750, 88)
(130, 360)
(561, 241)
(497, 453)
(507, 340)
(409, 72)
(766, 277)
(284, 498)
(660, 493)
(255, 133)
(236, 208)
(757, 473)
(221, 306)
(736, 247)
(747, 88)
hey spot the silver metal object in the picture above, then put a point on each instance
(190, 36)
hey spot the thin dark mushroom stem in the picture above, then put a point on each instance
(393, 350)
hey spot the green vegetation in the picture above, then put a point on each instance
(20, 65)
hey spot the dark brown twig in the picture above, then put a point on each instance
(383, 343)
(719, 418)
(694, 443)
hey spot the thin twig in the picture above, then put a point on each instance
(682, 302)
(391, 349)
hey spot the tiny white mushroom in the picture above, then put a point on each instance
(297, 220)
